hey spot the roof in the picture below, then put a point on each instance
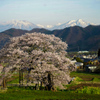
(83, 51)
(79, 64)
(86, 60)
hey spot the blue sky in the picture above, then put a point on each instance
(50, 11)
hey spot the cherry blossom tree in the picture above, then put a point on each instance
(42, 53)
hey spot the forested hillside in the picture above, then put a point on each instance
(78, 38)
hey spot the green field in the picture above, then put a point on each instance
(85, 86)
(16, 93)
(85, 76)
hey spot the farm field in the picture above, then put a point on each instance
(85, 86)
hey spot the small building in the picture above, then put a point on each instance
(91, 61)
(83, 51)
(79, 65)
(90, 68)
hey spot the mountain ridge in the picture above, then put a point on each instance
(87, 38)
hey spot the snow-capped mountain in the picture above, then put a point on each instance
(25, 25)
(18, 24)
(78, 22)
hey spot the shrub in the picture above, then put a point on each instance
(79, 60)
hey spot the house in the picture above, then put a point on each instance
(79, 65)
(90, 65)
(91, 61)
(87, 62)
(90, 68)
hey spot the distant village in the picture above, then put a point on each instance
(86, 61)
